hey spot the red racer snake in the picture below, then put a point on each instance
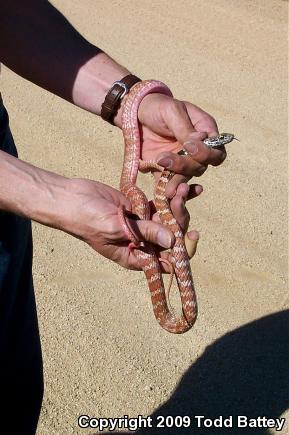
(140, 206)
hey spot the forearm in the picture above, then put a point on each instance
(38, 43)
(32, 192)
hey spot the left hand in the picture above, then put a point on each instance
(168, 125)
(90, 212)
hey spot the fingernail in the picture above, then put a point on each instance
(165, 162)
(194, 235)
(164, 239)
(191, 245)
(198, 189)
(191, 147)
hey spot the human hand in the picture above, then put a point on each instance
(168, 125)
(92, 216)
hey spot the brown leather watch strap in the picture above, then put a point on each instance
(114, 96)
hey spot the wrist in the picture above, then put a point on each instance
(51, 204)
(93, 81)
(115, 96)
(117, 120)
(32, 192)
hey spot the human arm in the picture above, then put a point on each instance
(38, 43)
(85, 209)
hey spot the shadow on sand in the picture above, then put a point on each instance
(245, 372)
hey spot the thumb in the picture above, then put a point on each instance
(152, 232)
(177, 119)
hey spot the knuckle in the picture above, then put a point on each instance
(146, 231)
(209, 118)
(182, 163)
(178, 106)
(205, 154)
(212, 119)
(186, 103)
(200, 170)
(186, 166)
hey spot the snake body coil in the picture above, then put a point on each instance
(140, 206)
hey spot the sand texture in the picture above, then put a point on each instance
(104, 353)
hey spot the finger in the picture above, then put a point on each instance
(189, 191)
(177, 204)
(203, 154)
(176, 181)
(180, 212)
(177, 119)
(152, 232)
(191, 124)
(173, 185)
(191, 242)
(186, 165)
(196, 162)
(182, 191)
(184, 119)
(194, 191)
(201, 120)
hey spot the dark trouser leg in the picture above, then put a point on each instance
(21, 377)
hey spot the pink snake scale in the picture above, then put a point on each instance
(140, 206)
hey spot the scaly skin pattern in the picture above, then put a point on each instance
(140, 206)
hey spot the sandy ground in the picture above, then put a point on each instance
(104, 354)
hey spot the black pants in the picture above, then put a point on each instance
(21, 377)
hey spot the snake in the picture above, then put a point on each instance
(146, 253)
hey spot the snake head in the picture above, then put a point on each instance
(220, 140)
